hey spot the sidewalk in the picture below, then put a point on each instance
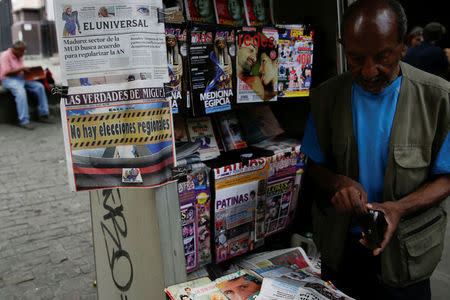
(46, 247)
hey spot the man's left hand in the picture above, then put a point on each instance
(392, 215)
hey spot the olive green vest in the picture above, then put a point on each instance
(420, 126)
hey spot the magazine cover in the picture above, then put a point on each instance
(230, 131)
(194, 195)
(230, 12)
(200, 11)
(257, 64)
(212, 56)
(295, 59)
(201, 131)
(178, 291)
(238, 192)
(243, 284)
(176, 88)
(173, 11)
(257, 12)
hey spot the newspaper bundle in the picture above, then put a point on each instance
(240, 191)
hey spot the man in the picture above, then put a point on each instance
(12, 72)
(378, 139)
(236, 10)
(428, 56)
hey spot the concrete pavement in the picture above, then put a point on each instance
(46, 247)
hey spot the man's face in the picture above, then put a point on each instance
(268, 69)
(235, 9)
(247, 57)
(239, 289)
(203, 7)
(103, 11)
(19, 52)
(259, 9)
(373, 51)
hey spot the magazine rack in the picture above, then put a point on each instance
(138, 246)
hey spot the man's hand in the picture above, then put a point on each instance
(350, 196)
(392, 214)
(25, 69)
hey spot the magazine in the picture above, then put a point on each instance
(243, 284)
(240, 191)
(230, 12)
(200, 11)
(177, 63)
(257, 64)
(212, 57)
(295, 61)
(230, 131)
(280, 190)
(257, 12)
(194, 196)
(177, 291)
(173, 11)
(200, 131)
(258, 122)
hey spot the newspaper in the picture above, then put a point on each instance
(257, 64)
(239, 202)
(117, 135)
(110, 41)
(295, 61)
(293, 258)
(305, 288)
(173, 11)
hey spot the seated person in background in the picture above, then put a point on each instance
(12, 72)
(428, 56)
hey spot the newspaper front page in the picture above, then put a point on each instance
(110, 41)
(118, 135)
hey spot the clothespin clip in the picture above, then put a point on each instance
(60, 90)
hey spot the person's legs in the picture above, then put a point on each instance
(17, 87)
(358, 276)
(38, 89)
(417, 291)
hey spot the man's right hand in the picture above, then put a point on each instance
(349, 196)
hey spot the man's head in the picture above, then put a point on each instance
(103, 12)
(203, 7)
(235, 9)
(18, 48)
(260, 10)
(247, 53)
(240, 288)
(433, 33)
(372, 36)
